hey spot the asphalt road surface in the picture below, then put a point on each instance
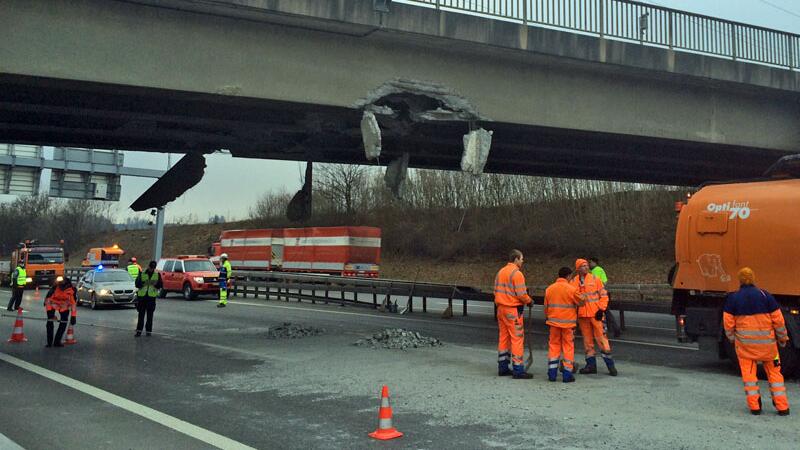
(211, 378)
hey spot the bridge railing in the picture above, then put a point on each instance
(645, 23)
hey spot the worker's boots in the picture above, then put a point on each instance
(520, 374)
(503, 368)
(591, 366)
(552, 369)
(612, 369)
(785, 412)
(567, 377)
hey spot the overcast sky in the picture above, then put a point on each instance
(250, 178)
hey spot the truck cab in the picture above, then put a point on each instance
(103, 256)
(43, 262)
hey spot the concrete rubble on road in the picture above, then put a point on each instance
(290, 330)
(398, 339)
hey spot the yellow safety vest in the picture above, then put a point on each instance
(22, 276)
(148, 288)
(133, 270)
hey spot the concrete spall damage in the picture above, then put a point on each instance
(393, 108)
(391, 113)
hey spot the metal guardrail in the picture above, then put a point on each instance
(374, 293)
(380, 292)
(645, 23)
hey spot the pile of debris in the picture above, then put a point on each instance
(293, 331)
(398, 338)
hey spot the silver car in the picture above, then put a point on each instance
(100, 287)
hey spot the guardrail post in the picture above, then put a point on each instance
(733, 41)
(464, 313)
(424, 304)
(790, 48)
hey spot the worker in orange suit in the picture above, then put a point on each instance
(61, 299)
(511, 296)
(754, 323)
(590, 318)
(561, 302)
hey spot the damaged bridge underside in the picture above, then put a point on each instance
(292, 80)
(92, 115)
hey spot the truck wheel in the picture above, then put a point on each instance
(188, 293)
(162, 293)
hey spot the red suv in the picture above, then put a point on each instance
(190, 275)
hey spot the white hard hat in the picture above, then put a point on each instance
(224, 255)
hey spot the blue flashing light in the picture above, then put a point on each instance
(100, 268)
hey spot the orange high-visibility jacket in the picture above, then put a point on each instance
(509, 287)
(594, 292)
(62, 300)
(753, 320)
(561, 301)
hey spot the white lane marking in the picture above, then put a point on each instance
(8, 444)
(464, 325)
(201, 434)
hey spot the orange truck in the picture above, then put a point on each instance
(105, 256)
(724, 227)
(43, 263)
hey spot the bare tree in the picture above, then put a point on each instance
(343, 185)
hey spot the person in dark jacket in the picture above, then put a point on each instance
(148, 283)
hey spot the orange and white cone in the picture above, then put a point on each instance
(36, 294)
(17, 335)
(385, 429)
(70, 336)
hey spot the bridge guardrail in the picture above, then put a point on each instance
(646, 23)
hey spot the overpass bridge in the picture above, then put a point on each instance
(601, 89)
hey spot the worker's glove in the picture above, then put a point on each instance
(520, 309)
(783, 343)
(599, 314)
(72, 320)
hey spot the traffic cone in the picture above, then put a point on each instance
(17, 335)
(36, 294)
(70, 336)
(385, 429)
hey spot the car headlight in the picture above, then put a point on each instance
(104, 292)
(29, 280)
(198, 279)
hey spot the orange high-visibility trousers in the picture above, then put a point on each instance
(562, 343)
(592, 330)
(512, 333)
(774, 377)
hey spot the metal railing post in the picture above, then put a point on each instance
(524, 12)
(670, 38)
(602, 17)
(790, 48)
(733, 41)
